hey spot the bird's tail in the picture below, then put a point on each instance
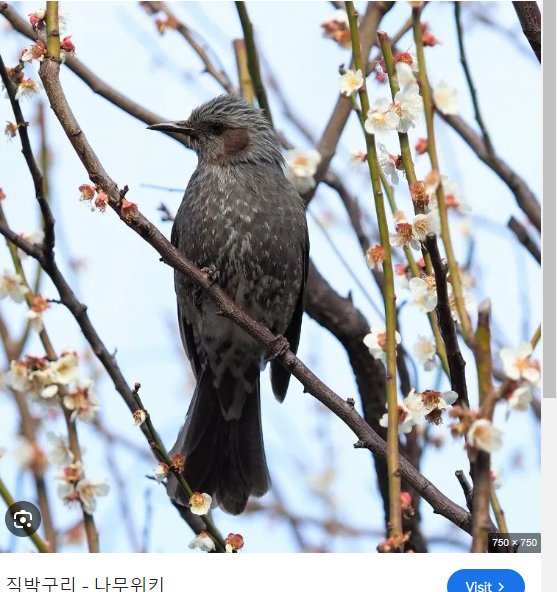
(224, 458)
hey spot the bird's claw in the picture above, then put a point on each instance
(277, 347)
(212, 273)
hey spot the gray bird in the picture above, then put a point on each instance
(243, 220)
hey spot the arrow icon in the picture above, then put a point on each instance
(500, 587)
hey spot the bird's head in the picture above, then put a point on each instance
(227, 130)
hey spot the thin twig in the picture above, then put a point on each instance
(468, 74)
(524, 238)
(42, 546)
(253, 60)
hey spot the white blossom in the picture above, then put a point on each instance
(380, 117)
(423, 226)
(301, 166)
(376, 342)
(485, 436)
(446, 98)
(60, 453)
(351, 82)
(423, 293)
(27, 88)
(24, 452)
(200, 503)
(160, 472)
(521, 398)
(35, 320)
(388, 163)
(203, 542)
(405, 73)
(468, 302)
(426, 352)
(17, 377)
(11, 284)
(65, 368)
(88, 493)
(81, 399)
(517, 364)
(408, 104)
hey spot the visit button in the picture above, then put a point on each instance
(485, 580)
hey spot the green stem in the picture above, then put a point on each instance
(158, 447)
(536, 338)
(42, 546)
(471, 87)
(395, 516)
(432, 152)
(52, 30)
(253, 60)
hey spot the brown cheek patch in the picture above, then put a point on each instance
(235, 140)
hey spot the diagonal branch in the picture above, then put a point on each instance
(530, 19)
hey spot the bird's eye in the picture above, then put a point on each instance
(216, 128)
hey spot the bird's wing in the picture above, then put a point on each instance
(186, 329)
(188, 341)
(280, 376)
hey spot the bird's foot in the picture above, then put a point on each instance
(212, 273)
(277, 347)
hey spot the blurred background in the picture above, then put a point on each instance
(324, 495)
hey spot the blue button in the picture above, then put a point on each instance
(485, 580)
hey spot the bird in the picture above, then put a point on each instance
(243, 221)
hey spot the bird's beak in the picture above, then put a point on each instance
(174, 127)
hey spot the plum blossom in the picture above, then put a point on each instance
(36, 51)
(425, 225)
(521, 398)
(403, 235)
(375, 256)
(350, 82)
(446, 98)
(389, 164)
(301, 166)
(408, 104)
(426, 352)
(18, 376)
(336, 27)
(468, 302)
(27, 88)
(406, 66)
(139, 417)
(200, 503)
(161, 471)
(65, 368)
(518, 365)
(376, 342)
(435, 403)
(233, 542)
(88, 493)
(60, 453)
(12, 285)
(483, 435)
(81, 399)
(357, 158)
(381, 117)
(423, 293)
(202, 542)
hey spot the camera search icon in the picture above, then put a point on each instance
(23, 519)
